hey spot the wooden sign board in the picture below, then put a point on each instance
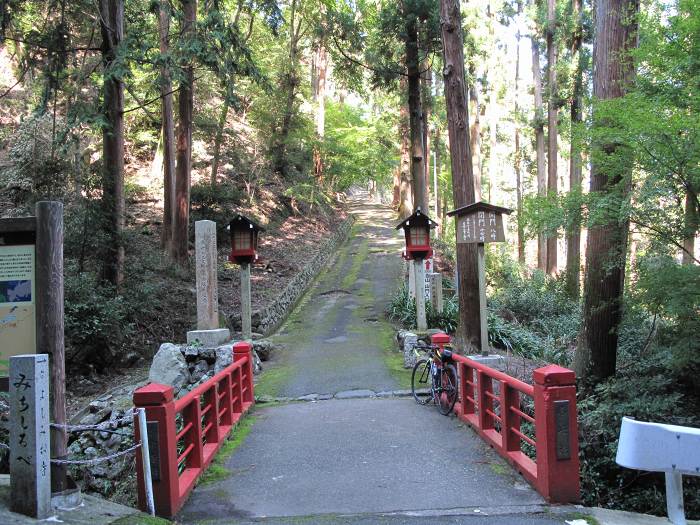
(17, 291)
(480, 227)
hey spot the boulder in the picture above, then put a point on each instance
(169, 367)
(191, 352)
(224, 357)
(410, 341)
(199, 370)
(265, 349)
(208, 353)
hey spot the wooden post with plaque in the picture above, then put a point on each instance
(478, 224)
(31, 307)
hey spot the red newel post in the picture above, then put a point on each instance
(160, 409)
(242, 350)
(556, 434)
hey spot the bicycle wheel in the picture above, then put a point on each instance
(448, 388)
(420, 382)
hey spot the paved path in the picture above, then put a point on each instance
(337, 337)
(358, 461)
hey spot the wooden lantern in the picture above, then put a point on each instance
(417, 231)
(480, 223)
(244, 239)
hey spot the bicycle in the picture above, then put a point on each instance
(437, 368)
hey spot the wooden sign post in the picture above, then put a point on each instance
(49, 318)
(31, 306)
(480, 223)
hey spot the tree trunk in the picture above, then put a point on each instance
(290, 82)
(427, 105)
(405, 193)
(112, 28)
(218, 141)
(552, 132)
(469, 326)
(615, 37)
(437, 169)
(415, 112)
(493, 107)
(573, 234)
(517, 156)
(396, 193)
(691, 226)
(475, 135)
(184, 146)
(539, 144)
(168, 128)
(322, 69)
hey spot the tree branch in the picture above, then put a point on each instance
(664, 235)
(155, 99)
(359, 63)
(142, 106)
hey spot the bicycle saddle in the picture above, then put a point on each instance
(446, 355)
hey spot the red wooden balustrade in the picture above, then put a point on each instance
(186, 434)
(490, 402)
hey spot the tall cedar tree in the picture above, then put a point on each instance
(552, 121)
(184, 144)
(168, 129)
(613, 74)
(415, 113)
(112, 28)
(538, 121)
(573, 232)
(468, 329)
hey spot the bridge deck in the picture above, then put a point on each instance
(357, 460)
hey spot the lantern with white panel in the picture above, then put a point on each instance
(480, 223)
(244, 251)
(417, 233)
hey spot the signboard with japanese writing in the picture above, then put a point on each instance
(480, 227)
(17, 294)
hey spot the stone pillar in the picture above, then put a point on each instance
(411, 281)
(436, 292)
(30, 460)
(206, 276)
(419, 270)
(246, 312)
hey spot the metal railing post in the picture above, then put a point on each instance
(145, 462)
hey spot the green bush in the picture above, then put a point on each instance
(96, 321)
(644, 388)
(402, 309)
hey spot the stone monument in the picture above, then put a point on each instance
(208, 332)
(30, 460)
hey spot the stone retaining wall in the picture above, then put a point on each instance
(267, 319)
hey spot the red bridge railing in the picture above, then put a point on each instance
(185, 434)
(497, 407)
